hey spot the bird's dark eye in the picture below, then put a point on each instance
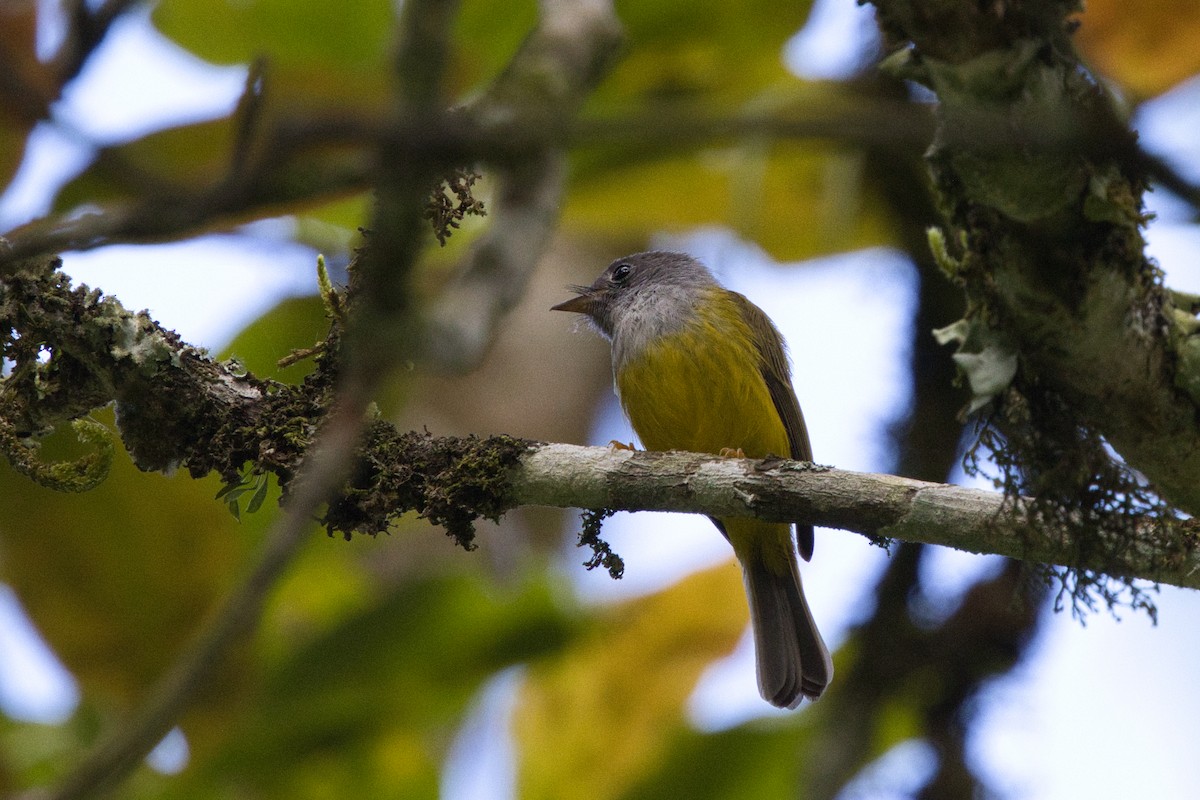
(622, 273)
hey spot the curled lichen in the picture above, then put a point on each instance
(986, 356)
(81, 475)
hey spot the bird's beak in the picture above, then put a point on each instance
(580, 304)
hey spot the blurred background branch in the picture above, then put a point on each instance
(308, 160)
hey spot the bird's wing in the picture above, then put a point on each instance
(777, 375)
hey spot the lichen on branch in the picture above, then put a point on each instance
(74, 350)
(1037, 176)
(450, 481)
(452, 201)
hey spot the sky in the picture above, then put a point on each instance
(1097, 710)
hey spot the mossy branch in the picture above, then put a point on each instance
(235, 420)
(1072, 346)
(74, 350)
(1046, 240)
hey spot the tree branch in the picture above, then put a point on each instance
(85, 30)
(878, 506)
(315, 158)
(1047, 242)
(181, 409)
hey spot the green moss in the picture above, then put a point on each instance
(73, 350)
(1185, 341)
(1047, 218)
(450, 481)
(80, 475)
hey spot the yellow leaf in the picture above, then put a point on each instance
(1147, 46)
(593, 721)
(796, 199)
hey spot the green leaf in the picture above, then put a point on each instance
(716, 51)
(486, 40)
(364, 704)
(231, 491)
(260, 494)
(190, 156)
(795, 199)
(313, 37)
(761, 759)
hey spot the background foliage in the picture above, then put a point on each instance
(372, 651)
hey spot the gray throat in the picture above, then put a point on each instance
(651, 313)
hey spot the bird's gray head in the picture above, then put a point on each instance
(658, 288)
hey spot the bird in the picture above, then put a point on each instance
(700, 368)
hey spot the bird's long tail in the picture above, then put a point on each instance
(793, 662)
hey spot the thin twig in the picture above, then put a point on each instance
(86, 29)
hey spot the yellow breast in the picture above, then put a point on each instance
(702, 389)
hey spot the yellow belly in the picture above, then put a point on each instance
(702, 390)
